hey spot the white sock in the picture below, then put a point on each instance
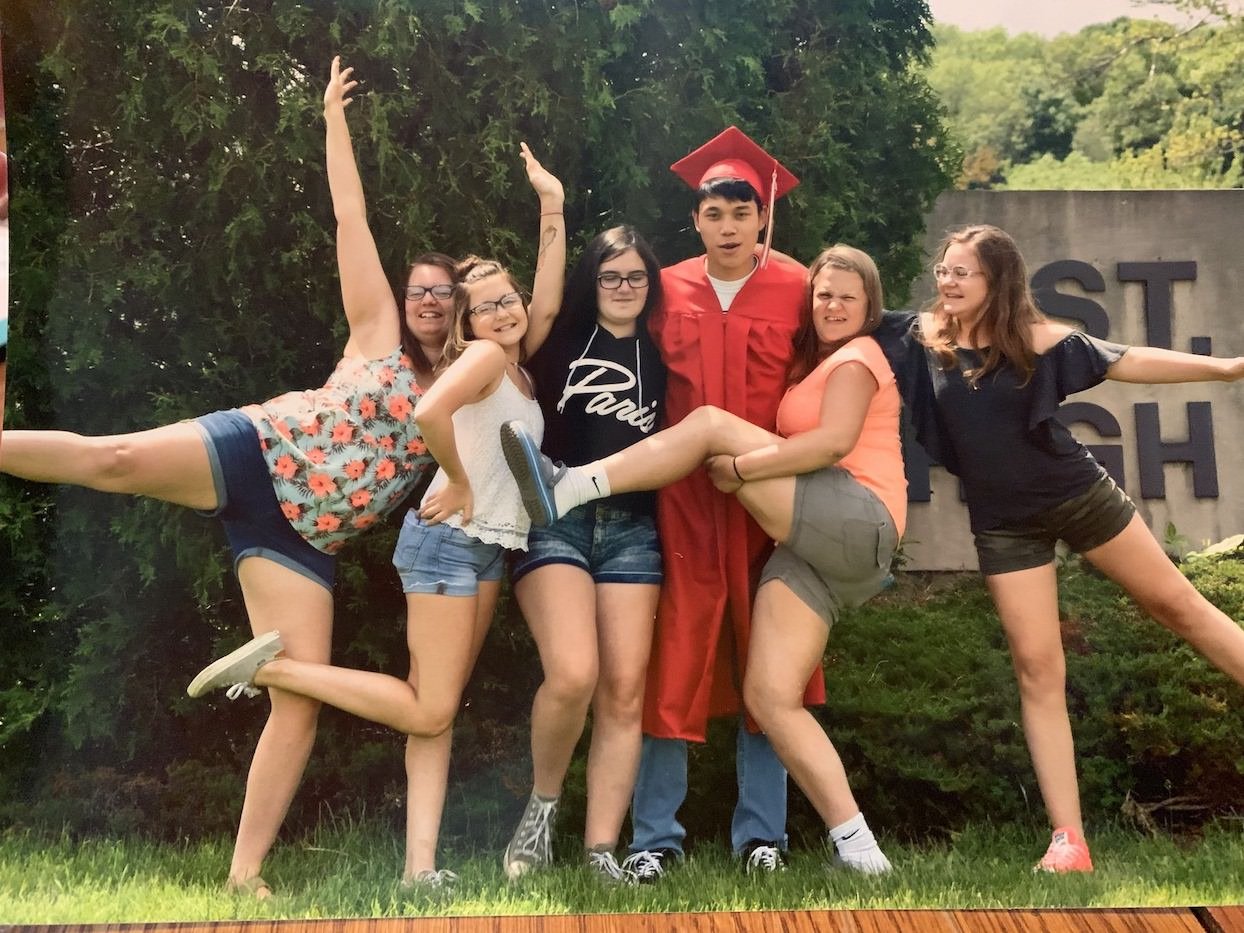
(857, 846)
(578, 485)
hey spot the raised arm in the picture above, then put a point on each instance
(365, 294)
(546, 291)
(470, 377)
(1153, 365)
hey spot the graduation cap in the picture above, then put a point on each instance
(733, 154)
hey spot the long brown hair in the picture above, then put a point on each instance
(1009, 313)
(468, 272)
(808, 348)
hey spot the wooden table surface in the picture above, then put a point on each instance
(1165, 920)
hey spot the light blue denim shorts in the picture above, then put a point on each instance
(613, 545)
(443, 559)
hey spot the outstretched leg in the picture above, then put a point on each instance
(677, 451)
(441, 632)
(654, 462)
(169, 463)
(1134, 560)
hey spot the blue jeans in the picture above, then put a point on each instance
(661, 787)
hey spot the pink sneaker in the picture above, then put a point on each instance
(1067, 852)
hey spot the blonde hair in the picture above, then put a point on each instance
(470, 271)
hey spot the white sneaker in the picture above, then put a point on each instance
(236, 670)
(605, 864)
(645, 865)
(763, 859)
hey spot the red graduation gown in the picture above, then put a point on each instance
(713, 549)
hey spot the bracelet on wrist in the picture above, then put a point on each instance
(551, 213)
(734, 462)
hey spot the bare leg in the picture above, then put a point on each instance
(440, 632)
(677, 451)
(431, 620)
(1027, 603)
(625, 613)
(1135, 561)
(303, 610)
(168, 463)
(787, 643)
(559, 604)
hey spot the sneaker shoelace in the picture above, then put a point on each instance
(607, 865)
(533, 836)
(242, 688)
(764, 858)
(644, 865)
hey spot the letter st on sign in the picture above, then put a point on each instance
(1194, 445)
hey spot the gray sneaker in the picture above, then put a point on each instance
(236, 670)
(532, 844)
(535, 473)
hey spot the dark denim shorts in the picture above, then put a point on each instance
(444, 560)
(247, 505)
(613, 545)
(1086, 521)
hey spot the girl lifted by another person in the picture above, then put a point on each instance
(983, 372)
(588, 585)
(829, 488)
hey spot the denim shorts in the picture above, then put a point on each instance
(444, 560)
(613, 545)
(1086, 521)
(842, 539)
(247, 504)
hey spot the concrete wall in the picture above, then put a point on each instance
(1163, 268)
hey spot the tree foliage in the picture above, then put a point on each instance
(1126, 104)
(173, 253)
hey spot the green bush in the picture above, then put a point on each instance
(924, 709)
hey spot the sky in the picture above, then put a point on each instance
(1046, 17)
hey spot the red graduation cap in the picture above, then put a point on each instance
(733, 154)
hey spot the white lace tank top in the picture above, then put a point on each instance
(499, 514)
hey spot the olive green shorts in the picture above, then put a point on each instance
(841, 541)
(1087, 521)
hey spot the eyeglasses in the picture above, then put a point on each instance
(439, 292)
(958, 273)
(612, 280)
(489, 308)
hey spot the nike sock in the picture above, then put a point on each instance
(579, 485)
(857, 846)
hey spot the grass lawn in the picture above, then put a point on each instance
(352, 872)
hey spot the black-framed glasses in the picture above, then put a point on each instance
(958, 273)
(488, 308)
(612, 280)
(439, 292)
